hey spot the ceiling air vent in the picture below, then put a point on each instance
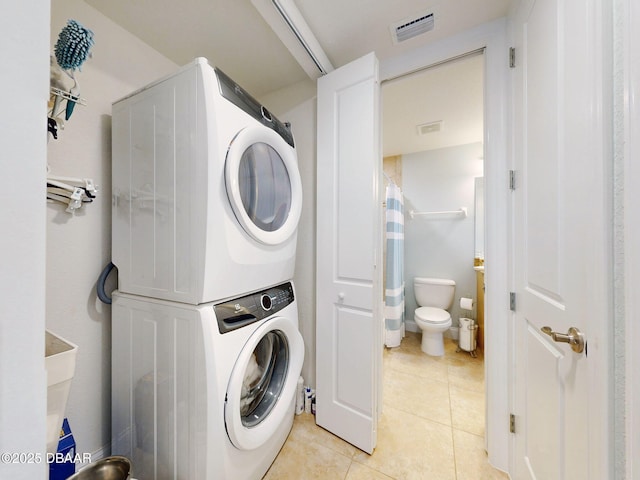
(411, 27)
(430, 127)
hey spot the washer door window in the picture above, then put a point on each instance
(264, 378)
(262, 384)
(263, 184)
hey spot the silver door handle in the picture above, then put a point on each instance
(573, 337)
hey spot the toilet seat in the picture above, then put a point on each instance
(432, 315)
(433, 322)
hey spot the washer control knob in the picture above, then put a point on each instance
(266, 302)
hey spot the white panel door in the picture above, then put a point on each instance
(560, 242)
(349, 292)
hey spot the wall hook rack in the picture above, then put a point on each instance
(58, 108)
(71, 191)
(68, 96)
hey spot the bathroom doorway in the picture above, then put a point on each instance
(433, 144)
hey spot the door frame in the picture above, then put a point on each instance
(627, 150)
(491, 37)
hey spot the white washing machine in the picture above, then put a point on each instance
(204, 392)
(206, 190)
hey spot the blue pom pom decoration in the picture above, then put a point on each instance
(72, 47)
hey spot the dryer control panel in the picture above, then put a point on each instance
(243, 311)
(241, 99)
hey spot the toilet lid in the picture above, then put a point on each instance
(432, 315)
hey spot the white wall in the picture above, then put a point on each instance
(24, 78)
(303, 125)
(79, 246)
(441, 180)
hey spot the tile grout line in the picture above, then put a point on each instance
(453, 372)
(453, 441)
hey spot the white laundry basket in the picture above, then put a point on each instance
(60, 363)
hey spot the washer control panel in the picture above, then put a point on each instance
(243, 311)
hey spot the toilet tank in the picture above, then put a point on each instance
(434, 292)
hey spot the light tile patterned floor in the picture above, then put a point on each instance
(432, 426)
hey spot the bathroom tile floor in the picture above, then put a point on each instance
(432, 425)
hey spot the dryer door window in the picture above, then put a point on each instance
(262, 385)
(265, 188)
(263, 184)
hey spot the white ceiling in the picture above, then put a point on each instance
(451, 93)
(236, 38)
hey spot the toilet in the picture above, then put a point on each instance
(434, 297)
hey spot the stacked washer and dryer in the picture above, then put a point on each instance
(206, 346)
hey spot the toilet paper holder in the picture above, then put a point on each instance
(466, 303)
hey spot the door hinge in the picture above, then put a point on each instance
(512, 57)
(512, 423)
(512, 180)
(512, 301)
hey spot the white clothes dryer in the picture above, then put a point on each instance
(206, 190)
(204, 392)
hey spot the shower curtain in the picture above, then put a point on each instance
(394, 294)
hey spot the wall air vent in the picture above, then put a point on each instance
(411, 27)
